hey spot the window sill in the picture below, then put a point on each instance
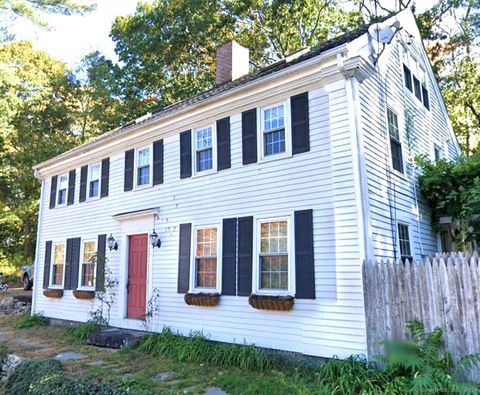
(86, 294)
(202, 299)
(93, 198)
(56, 293)
(271, 302)
(204, 173)
(142, 187)
(273, 158)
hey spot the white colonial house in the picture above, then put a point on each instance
(266, 193)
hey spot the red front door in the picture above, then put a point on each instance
(137, 276)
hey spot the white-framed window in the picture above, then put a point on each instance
(274, 271)
(143, 167)
(62, 190)
(415, 79)
(94, 180)
(274, 139)
(88, 257)
(438, 153)
(57, 268)
(404, 242)
(206, 258)
(395, 141)
(204, 149)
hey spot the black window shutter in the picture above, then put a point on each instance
(158, 162)
(229, 256)
(71, 187)
(105, 177)
(223, 143)
(83, 184)
(75, 262)
(128, 175)
(300, 123)
(46, 265)
(53, 191)
(184, 258)
(249, 136)
(186, 154)
(245, 256)
(100, 274)
(67, 284)
(304, 259)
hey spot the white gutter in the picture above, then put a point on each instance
(36, 265)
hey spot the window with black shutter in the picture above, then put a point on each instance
(185, 237)
(300, 123)
(249, 136)
(105, 177)
(71, 187)
(223, 143)
(395, 143)
(186, 154)
(83, 183)
(53, 191)
(158, 162)
(128, 172)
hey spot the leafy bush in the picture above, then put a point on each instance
(197, 348)
(29, 372)
(81, 331)
(30, 321)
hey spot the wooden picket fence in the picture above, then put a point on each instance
(441, 291)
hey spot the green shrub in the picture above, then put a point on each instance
(59, 384)
(197, 348)
(30, 321)
(81, 331)
(29, 372)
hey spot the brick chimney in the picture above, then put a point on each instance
(232, 62)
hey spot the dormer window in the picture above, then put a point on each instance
(414, 78)
(62, 190)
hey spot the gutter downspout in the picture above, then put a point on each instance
(36, 265)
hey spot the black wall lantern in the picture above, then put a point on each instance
(154, 240)
(112, 244)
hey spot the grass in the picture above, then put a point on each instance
(81, 331)
(197, 348)
(30, 321)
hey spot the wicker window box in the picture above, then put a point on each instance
(84, 294)
(53, 293)
(202, 299)
(267, 302)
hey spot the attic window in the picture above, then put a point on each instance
(416, 85)
(407, 75)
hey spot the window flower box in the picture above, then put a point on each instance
(53, 293)
(202, 299)
(267, 302)
(83, 294)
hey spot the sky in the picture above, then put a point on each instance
(72, 37)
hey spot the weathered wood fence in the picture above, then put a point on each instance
(439, 291)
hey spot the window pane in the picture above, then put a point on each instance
(205, 160)
(204, 138)
(408, 78)
(274, 142)
(206, 273)
(144, 157)
(404, 240)
(57, 275)
(62, 196)
(87, 276)
(207, 242)
(143, 177)
(63, 183)
(58, 262)
(273, 118)
(274, 272)
(396, 150)
(416, 85)
(393, 125)
(95, 172)
(59, 254)
(274, 237)
(93, 190)
(426, 101)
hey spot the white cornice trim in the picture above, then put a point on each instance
(136, 214)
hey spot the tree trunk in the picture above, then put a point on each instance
(26, 238)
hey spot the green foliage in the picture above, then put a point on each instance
(452, 189)
(29, 372)
(197, 348)
(30, 321)
(81, 331)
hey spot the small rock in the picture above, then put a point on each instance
(97, 363)
(214, 391)
(10, 364)
(164, 376)
(69, 355)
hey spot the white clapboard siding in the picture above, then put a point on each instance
(322, 180)
(392, 196)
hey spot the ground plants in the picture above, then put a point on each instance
(35, 320)
(197, 348)
(81, 331)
